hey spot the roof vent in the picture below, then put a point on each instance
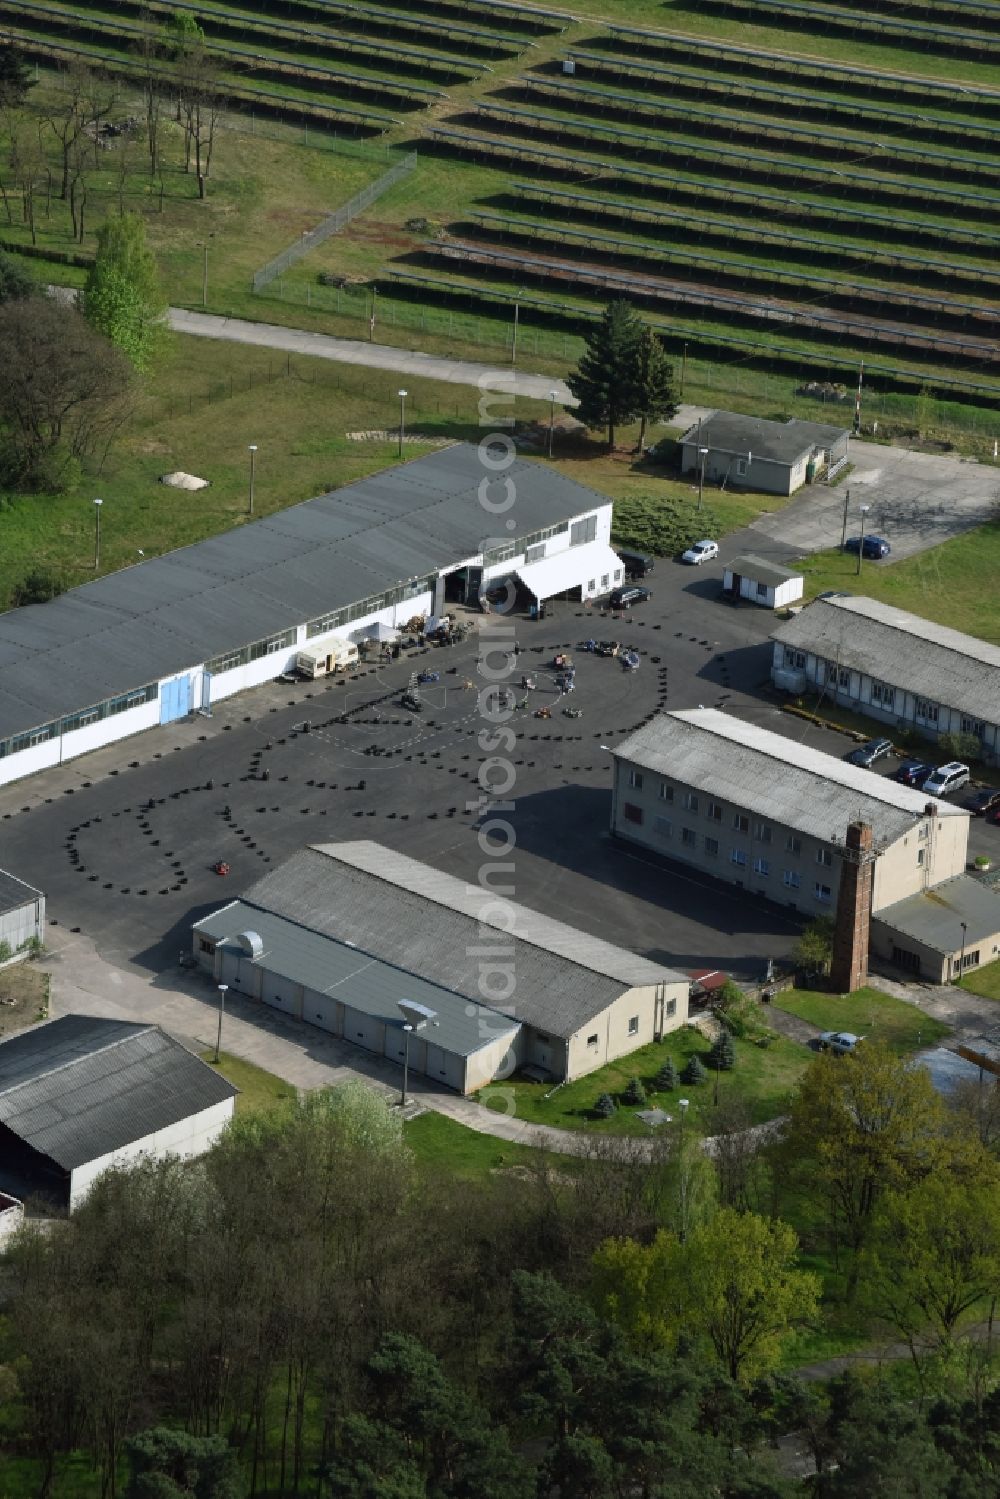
(930, 810)
(251, 944)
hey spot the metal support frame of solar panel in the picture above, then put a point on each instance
(837, 322)
(497, 145)
(555, 87)
(770, 350)
(44, 47)
(643, 249)
(530, 13)
(628, 137)
(410, 20)
(693, 45)
(985, 8)
(839, 16)
(226, 49)
(777, 236)
(773, 200)
(263, 22)
(785, 94)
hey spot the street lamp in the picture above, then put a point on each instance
(402, 419)
(252, 450)
(553, 398)
(222, 1011)
(97, 533)
(861, 544)
(415, 1018)
(702, 454)
(961, 959)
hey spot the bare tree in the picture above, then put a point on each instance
(198, 87)
(149, 51)
(82, 101)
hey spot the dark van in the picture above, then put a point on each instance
(637, 564)
(624, 598)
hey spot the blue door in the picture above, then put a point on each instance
(175, 699)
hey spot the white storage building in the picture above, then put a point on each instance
(81, 1094)
(762, 582)
(22, 912)
(173, 635)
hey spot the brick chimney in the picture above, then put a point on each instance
(849, 968)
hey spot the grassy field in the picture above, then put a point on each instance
(954, 583)
(24, 996)
(442, 1144)
(259, 1092)
(985, 981)
(209, 401)
(763, 1076)
(868, 1013)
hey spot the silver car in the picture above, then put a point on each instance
(841, 1043)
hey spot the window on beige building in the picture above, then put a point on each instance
(824, 856)
(635, 779)
(793, 845)
(791, 878)
(822, 893)
(761, 867)
(741, 823)
(689, 837)
(738, 857)
(666, 792)
(712, 847)
(592, 1040)
(713, 812)
(632, 813)
(762, 832)
(633, 1026)
(690, 801)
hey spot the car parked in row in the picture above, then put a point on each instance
(868, 753)
(913, 773)
(624, 598)
(947, 778)
(873, 547)
(981, 803)
(701, 551)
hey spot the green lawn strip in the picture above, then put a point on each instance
(954, 583)
(443, 1144)
(984, 981)
(190, 421)
(763, 1076)
(260, 1091)
(867, 1012)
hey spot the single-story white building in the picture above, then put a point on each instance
(81, 1094)
(169, 637)
(22, 912)
(761, 582)
(749, 452)
(342, 932)
(894, 667)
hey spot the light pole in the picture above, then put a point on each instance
(961, 957)
(402, 419)
(415, 1018)
(861, 544)
(702, 454)
(252, 450)
(553, 398)
(517, 316)
(204, 275)
(222, 1011)
(407, 1033)
(843, 534)
(97, 533)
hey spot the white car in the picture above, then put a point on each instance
(841, 1043)
(702, 551)
(950, 777)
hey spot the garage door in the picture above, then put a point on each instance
(175, 699)
(363, 1030)
(282, 994)
(443, 1067)
(321, 1010)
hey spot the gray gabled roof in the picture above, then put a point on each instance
(775, 442)
(428, 923)
(758, 570)
(774, 777)
(930, 660)
(935, 916)
(80, 1087)
(345, 972)
(174, 612)
(14, 893)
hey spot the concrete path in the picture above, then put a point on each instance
(792, 1026)
(967, 1014)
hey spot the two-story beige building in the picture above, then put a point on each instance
(770, 815)
(341, 933)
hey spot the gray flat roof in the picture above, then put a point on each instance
(781, 780)
(14, 893)
(761, 571)
(173, 612)
(774, 442)
(81, 1087)
(424, 922)
(934, 662)
(345, 972)
(934, 917)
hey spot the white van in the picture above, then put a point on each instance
(320, 660)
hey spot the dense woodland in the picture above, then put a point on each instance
(310, 1311)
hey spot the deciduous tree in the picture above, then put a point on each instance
(122, 298)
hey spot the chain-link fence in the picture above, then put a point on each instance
(335, 222)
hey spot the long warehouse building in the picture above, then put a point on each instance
(171, 636)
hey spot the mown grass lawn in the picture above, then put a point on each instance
(984, 981)
(869, 1013)
(260, 1091)
(954, 583)
(764, 1077)
(439, 1143)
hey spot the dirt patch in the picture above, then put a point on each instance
(24, 996)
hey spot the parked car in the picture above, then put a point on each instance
(982, 802)
(624, 598)
(947, 778)
(913, 772)
(875, 547)
(702, 551)
(841, 1043)
(636, 564)
(866, 754)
